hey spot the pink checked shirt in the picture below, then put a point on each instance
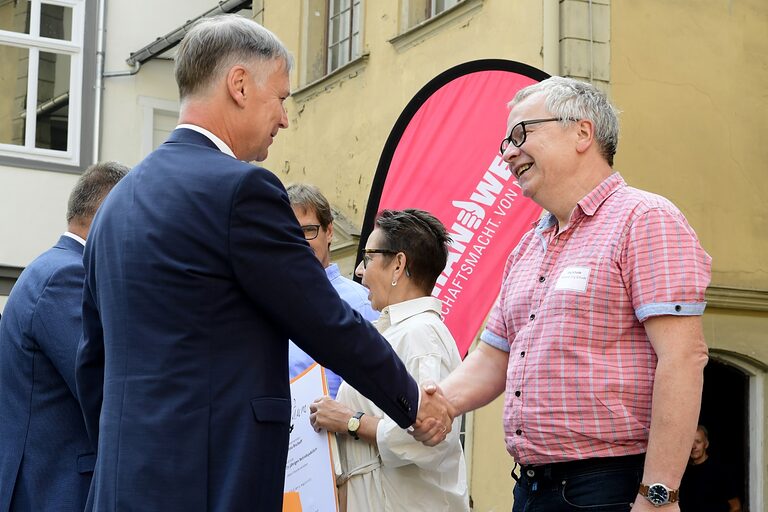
(570, 312)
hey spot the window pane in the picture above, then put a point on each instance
(56, 22)
(14, 65)
(442, 5)
(417, 11)
(344, 4)
(333, 58)
(343, 52)
(356, 18)
(333, 32)
(335, 7)
(346, 24)
(14, 16)
(52, 101)
(356, 46)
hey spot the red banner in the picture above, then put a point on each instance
(443, 156)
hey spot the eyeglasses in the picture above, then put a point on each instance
(310, 231)
(517, 134)
(366, 258)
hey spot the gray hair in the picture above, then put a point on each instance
(215, 44)
(92, 187)
(570, 99)
(309, 197)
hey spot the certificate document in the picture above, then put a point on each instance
(309, 471)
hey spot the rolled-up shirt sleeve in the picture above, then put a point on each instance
(664, 266)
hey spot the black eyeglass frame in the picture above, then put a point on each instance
(365, 252)
(506, 141)
(316, 227)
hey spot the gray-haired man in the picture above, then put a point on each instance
(197, 276)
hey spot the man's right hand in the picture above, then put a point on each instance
(435, 417)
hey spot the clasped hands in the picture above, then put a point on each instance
(433, 421)
(435, 417)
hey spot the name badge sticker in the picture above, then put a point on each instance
(574, 279)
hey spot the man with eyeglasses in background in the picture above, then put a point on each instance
(596, 336)
(313, 211)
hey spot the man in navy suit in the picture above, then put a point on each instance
(46, 459)
(197, 274)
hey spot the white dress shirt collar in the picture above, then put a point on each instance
(213, 138)
(396, 313)
(75, 237)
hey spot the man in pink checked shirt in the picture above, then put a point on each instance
(596, 337)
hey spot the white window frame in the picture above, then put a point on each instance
(757, 426)
(34, 43)
(349, 48)
(433, 7)
(408, 23)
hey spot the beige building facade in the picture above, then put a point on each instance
(690, 80)
(689, 77)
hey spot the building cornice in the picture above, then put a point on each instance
(725, 297)
(459, 13)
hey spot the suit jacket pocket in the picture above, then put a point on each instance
(86, 462)
(271, 410)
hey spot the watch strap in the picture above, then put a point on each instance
(353, 433)
(674, 494)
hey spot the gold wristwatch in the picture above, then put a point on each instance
(354, 424)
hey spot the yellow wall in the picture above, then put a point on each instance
(690, 78)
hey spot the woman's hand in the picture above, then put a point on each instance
(326, 413)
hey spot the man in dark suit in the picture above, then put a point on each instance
(197, 275)
(46, 460)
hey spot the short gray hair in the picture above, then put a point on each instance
(215, 44)
(567, 98)
(92, 187)
(309, 197)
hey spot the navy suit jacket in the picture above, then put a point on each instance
(197, 274)
(46, 460)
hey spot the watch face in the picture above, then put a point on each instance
(658, 494)
(353, 424)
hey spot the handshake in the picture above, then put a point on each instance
(435, 416)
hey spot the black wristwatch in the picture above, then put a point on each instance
(354, 424)
(659, 494)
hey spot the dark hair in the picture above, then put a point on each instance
(310, 198)
(423, 239)
(92, 187)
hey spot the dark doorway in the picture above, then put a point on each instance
(725, 413)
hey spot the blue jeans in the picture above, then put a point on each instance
(593, 485)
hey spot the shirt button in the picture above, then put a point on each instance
(522, 354)
(517, 393)
(519, 432)
(542, 279)
(678, 308)
(533, 316)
